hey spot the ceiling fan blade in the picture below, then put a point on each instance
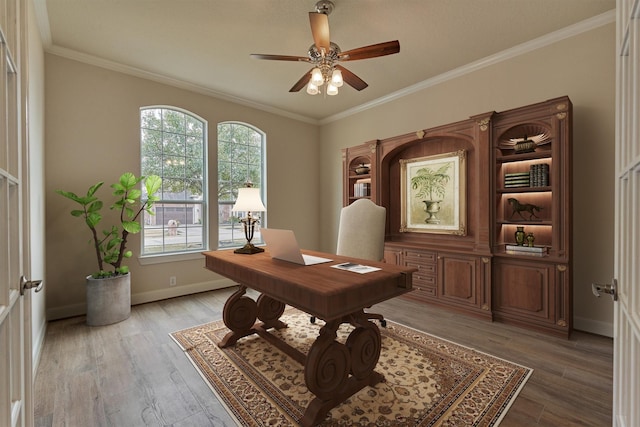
(351, 79)
(372, 51)
(280, 57)
(320, 30)
(302, 82)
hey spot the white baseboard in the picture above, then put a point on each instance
(73, 310)
(593, 326)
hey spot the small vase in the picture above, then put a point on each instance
(520, 236)
(530, 239)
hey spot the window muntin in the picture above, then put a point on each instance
(241, 159)
(173, 146)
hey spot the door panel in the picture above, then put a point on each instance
(626, 368)
(15, 378)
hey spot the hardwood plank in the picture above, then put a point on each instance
(133, 374)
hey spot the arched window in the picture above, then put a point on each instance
(173, 146)
(241, 159)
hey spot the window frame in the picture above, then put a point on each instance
(184, 254)
(236, 225)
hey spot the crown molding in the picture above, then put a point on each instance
(546, 40)
(181, 84)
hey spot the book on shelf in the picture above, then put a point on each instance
(517, 179)
(362, 187)
(539, 175)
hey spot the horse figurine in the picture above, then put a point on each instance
(523, 207)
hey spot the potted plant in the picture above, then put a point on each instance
(109, 288)
(432, 184)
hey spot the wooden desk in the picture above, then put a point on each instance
(333, 370)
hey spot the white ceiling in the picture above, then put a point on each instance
(205, 44)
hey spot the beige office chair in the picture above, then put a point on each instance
(361, 230)
(361, 235)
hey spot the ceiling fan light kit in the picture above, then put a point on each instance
(325, 56)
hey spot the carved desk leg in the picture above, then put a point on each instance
(240, 314)
(329, 364)
(269, 311)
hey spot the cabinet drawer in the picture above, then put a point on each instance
(420, 279)
(424, 275)
(423, 269)
(420, 256)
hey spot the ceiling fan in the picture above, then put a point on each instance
(326, 56)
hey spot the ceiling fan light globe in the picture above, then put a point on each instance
(316, 77)
(336, 78)
(312, 89)
(331, 90)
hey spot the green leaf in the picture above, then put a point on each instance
(131, 226)
(93, 218)
(123, 269)
(95, 206)
(134, 193)
(77, 212)
(153, 184)
(69, 195)
(128, 180)
(128, 254)
(92, 190)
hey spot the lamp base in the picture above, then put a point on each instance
(248, 249)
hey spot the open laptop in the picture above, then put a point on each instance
(282, 245)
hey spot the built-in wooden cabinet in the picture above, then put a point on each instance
(532, 190)
(518, 159)
(359, 170)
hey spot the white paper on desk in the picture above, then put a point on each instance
(356, 268)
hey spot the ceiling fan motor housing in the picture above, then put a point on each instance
(325, 6)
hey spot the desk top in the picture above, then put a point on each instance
(320, 290)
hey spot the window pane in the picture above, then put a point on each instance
(241, 151)
(173, 147)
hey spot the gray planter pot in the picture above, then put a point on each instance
(108, 300)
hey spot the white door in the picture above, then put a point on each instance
(626, 365)
(15, 331)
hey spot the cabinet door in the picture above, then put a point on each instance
(459, 279)
(533, 294)
(392, 256)
(525, 290)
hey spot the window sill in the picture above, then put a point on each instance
(164, 258)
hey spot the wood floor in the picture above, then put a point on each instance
(133, 374)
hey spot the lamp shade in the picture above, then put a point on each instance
(248, 201)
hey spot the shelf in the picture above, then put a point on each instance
(507, 222)
(513, 190)
(363, 176)
(524, 157)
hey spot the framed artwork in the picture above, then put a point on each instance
(433, 194)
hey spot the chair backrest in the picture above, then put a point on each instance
(361, 230)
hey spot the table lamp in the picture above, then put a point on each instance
(248, 201)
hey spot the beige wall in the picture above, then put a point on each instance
(582, 67)
(92, 131)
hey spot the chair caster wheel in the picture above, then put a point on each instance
(313, 319)
(383, 323)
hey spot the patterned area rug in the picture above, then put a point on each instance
(428, 381)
